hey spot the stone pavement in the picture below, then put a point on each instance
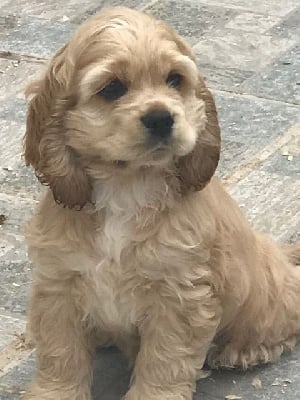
(249, 50)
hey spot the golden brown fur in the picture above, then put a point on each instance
(159, 260)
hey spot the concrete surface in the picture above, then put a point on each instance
(249, 51)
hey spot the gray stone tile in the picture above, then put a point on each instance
(20, 179)
(280, 80)
(8, 22)
(280, 8)
(17, 208)
(8, 328)
(11, 134)
(271, 203)
(289, 26)
(249, 124)
(222, 78)
(14, 382)
(234, 155)
(190, 18)
(286, 161)
(14, 177)
(239, 383)
(35, 36)
(239, 49)
(252, 22)
(111, 380)
(13, 110)
(14, 76)
(14, 265)
(60, 9)
(44, 27)
(44, 9)
(98, 5)
(14, 287)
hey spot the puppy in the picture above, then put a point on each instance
(134, 243)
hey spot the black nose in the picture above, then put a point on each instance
(158, 122)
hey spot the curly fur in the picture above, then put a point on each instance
(159, 260)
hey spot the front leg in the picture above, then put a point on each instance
(175, 338)
(64, 344)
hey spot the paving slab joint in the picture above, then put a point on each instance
(14, 353)
(262, 155)
(9, 55)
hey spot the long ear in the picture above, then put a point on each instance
(197, 168)
(55, 163)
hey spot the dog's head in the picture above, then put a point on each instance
(123, 93)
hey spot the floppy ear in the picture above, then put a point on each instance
(55, 163)
(197, 168)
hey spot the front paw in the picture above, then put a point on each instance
(36, 392)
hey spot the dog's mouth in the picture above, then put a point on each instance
(156, 151)
(158, 148)
(159, 155)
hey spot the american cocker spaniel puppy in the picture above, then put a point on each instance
(134, 243)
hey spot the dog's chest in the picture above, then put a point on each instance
(125, 210)
(110, 305)
(117, 236)
(110, 274)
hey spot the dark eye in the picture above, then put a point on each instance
(113, 91)
(174, 80)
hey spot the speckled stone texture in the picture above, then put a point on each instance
(111, 380)
(249, 54)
